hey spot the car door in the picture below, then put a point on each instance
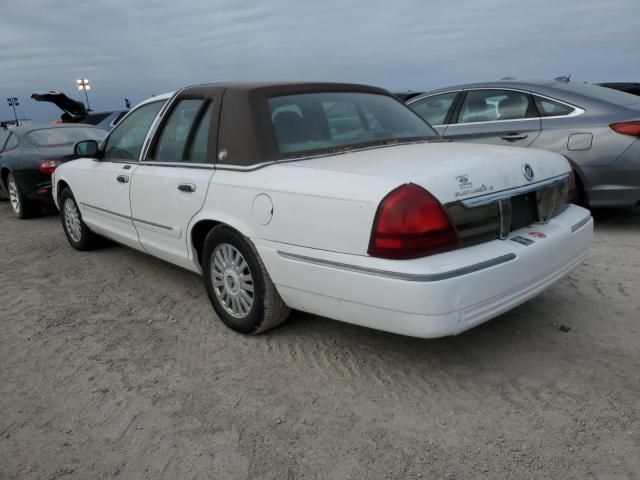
(436, 109)
(102, 186)
(496, 116)
(170, 185)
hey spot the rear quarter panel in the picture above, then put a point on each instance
(312, 208)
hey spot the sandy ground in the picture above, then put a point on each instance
(113, 365)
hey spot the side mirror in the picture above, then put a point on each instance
(87, 148)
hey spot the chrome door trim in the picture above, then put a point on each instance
(410, 277)
(503, 194)
(127, 217)
(104, 210)
(576, 110)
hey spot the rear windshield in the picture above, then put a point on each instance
(603, 94)
(327, 121)
(64, 136)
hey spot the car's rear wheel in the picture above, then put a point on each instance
(22, 207)
(238, 285)
(77, 232)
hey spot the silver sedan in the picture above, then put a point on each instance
(596, 128)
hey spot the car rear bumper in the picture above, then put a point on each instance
(616, 184)
(433, 296)
(41, 191)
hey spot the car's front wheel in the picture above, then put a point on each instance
(77, 232)
(238, 285)
(22, 207)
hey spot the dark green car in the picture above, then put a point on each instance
(28, 157)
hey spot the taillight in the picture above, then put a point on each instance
(48, 166)
(627, 128)
(411, 223)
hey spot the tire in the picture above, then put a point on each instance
(77, 232)
(229, 289)
(22, 207)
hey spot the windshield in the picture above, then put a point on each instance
(603, 94)
(64, 136)
(326, 121)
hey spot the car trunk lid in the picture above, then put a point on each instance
(450, 171)
(68, 105)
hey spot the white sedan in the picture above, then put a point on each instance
(332, 199)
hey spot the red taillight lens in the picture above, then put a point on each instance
(627, 128)
(411, 223)
(48, 166)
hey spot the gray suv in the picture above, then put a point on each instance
(596, 128)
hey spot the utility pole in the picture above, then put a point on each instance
(13, 102)
(83, 84)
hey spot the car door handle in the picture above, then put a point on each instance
(122, 178)
(187, 187)
(515, 136)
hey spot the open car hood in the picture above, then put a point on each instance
(68, 105)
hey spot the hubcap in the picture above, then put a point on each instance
(13, 195)
(72, 220)
(232, 280)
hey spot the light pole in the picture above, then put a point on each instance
(84, 85)
(13, 102)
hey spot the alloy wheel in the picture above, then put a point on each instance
(232, 280)
(14, 195)
(72, 220)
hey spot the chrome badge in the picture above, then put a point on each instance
(527, 170)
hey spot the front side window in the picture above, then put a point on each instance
(175, 132)
(434, 109)
(492, 105)
(64, 135)
(549, 108)
(326, 121)
(126, 140)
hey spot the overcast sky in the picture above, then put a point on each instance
(131, 48)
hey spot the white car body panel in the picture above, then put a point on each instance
(104, 201)
(379, 295)
(311, 219)
(436, 166)
(161, 212)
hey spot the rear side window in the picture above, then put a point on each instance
(175, 133)
(200, 145)
(550, 108)
(126, 140)
(434, 109)
(326, 121)
(492, 105)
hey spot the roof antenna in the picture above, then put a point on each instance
(508, 78)
(566, 78)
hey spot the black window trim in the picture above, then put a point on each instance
(135, 161)
(166, 116)
(216, 96)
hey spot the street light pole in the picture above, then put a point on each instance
(13, 102)
(83, 84)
